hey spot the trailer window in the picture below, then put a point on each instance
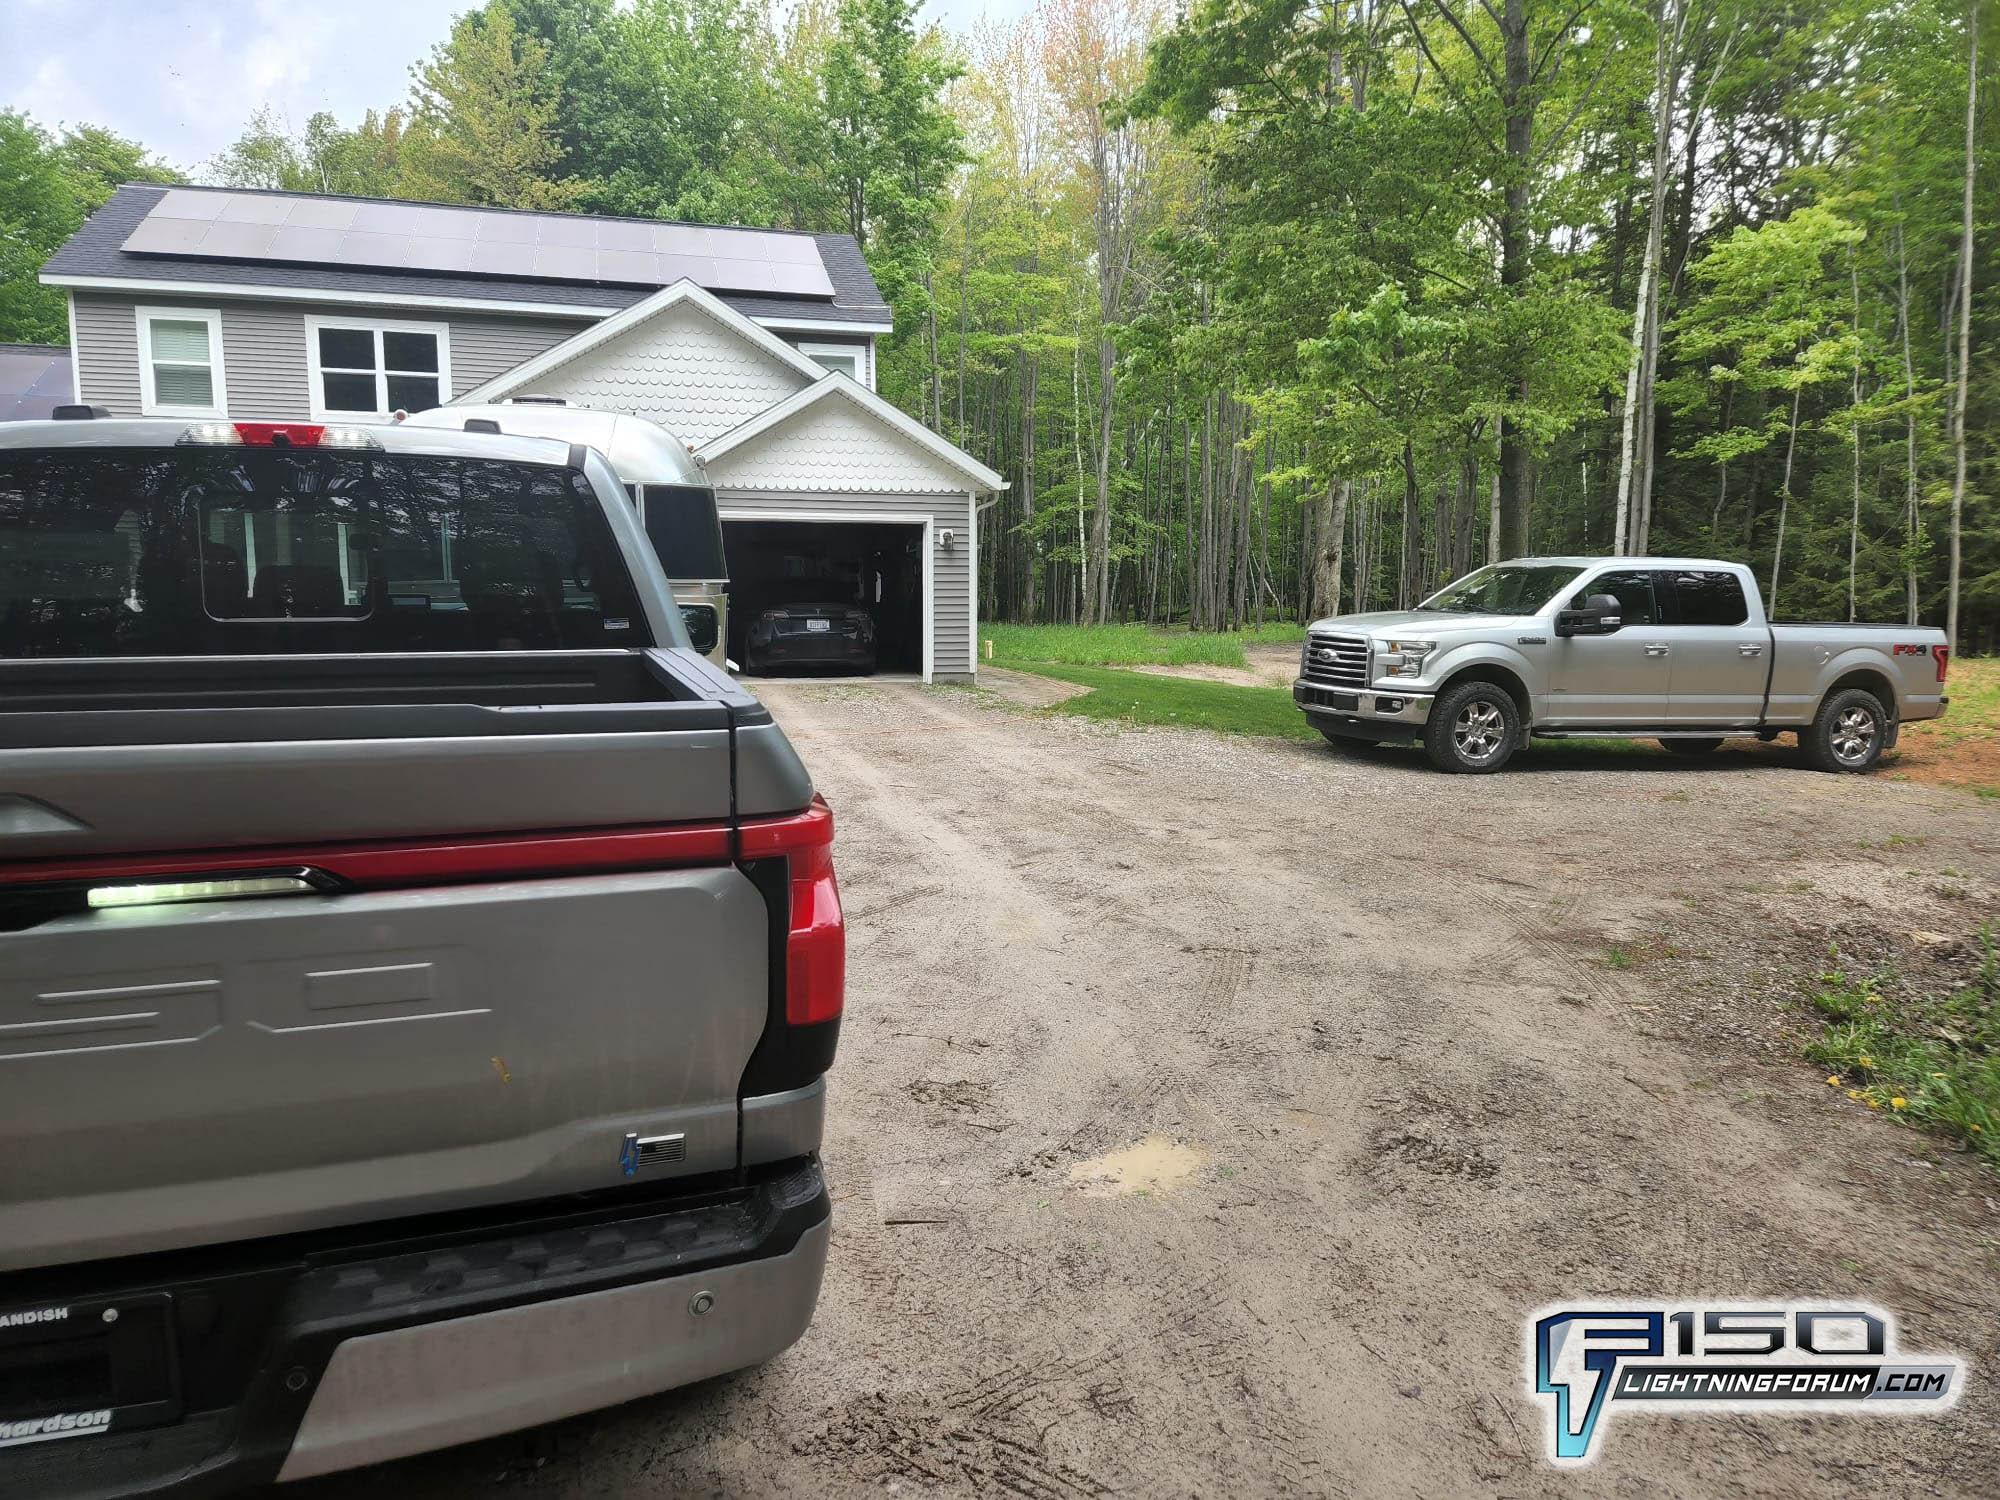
(176, 552)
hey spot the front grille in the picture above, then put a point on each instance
(1341, 660)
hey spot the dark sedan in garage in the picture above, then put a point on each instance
(812, 635)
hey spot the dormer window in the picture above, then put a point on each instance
(850, 360)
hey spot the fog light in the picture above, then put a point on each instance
(1388, 705)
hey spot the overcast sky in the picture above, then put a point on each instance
(182, 76)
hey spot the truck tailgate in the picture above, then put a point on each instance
(197, 1072)
(546, 951)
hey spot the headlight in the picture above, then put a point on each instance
(1402, 658)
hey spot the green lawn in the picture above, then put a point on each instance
(1962, 749)
(1143, 698)
(1129, 645)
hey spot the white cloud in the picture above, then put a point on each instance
(183, 76)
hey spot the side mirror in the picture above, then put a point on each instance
(1601, 614)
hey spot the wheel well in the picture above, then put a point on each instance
(1869, 680)
(1488, 672)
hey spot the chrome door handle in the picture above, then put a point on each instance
(1749, 650)
(1656, 650)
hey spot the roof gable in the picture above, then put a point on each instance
(837, 435)
(681, 358)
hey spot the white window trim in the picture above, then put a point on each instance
(316, 388)
(864, 367)
(149, 403)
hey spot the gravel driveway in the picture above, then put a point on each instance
(1210, 1112)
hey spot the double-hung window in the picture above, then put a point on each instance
(180, 362)
(371, 369)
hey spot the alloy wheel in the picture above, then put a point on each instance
(1853, 736)
(1479, 731)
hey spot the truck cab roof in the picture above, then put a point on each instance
(1706, 563)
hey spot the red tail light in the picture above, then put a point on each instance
(816, 945)
(1943, 655)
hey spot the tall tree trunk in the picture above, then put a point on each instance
(1411, 558)
(1493, 521)
(1330, 535)
(1784, 505)
(1100, 528)
(1964, 337)
(1854, 517)
(1912, 517)
(931, 350)
(1518, 106)
(1030, 384)
(1631, 521)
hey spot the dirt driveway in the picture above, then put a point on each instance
(1210, 1112)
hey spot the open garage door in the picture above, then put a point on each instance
(876, 566)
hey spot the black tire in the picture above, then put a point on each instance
(1690, 747)
(1848, 733)
(1349, 741)
(1474, 729)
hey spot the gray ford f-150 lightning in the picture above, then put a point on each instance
(418, 967)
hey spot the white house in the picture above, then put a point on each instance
(756, 347)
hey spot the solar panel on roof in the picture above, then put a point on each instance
(477, 242)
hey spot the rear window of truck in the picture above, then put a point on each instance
(225, 551)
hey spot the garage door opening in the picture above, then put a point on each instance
(874, 566)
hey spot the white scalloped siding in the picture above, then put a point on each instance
(835, 446)
(683, 370)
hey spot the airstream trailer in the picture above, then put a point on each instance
(675, 500)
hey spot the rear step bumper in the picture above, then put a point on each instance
(364, 1356)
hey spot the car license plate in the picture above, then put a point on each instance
(819, 625)
(79, 1370)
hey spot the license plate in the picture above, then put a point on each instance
(79, 1370)
(1348, 701)
(819, 625)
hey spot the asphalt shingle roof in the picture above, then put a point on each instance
(96, 250)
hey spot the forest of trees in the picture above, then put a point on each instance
(1268, 308)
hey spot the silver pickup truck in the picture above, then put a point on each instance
(418, 967)
(1668, 648)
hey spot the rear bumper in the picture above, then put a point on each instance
(1363, 713)
(815, 650)
(334, 1357)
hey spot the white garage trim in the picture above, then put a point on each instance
(855, 518)
(828, 386)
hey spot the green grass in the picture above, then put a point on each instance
(1930, 1060)
(1128, 645)
(1958, 749)
(1974, 686)
(1142, 698)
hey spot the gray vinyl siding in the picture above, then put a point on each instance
(950, 624)
(264, 348)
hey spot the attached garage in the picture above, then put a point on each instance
(875, 562)
(828, 493)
